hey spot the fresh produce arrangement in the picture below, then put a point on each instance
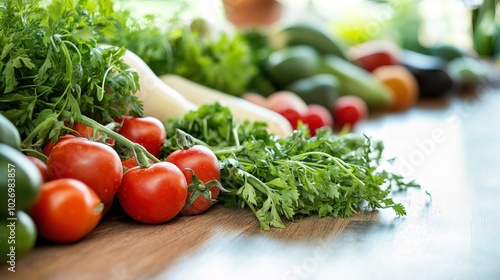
(98, 108)
(289, 177)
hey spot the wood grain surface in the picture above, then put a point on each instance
(451, 147)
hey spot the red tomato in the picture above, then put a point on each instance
(42, 167)
(50, 145)
(292, 115)
(96, 164)
(87, 132)
(375, 53)
(149, 132)
(280, 100)
(82, 130)
(201, 161)
(376, 59)
(349, 110)
(66, 210)
(131, 162)
(317, 117)
(153, 195)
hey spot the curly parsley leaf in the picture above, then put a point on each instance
(277, 178)
(51, 62)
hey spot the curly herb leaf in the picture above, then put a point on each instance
(224, 62)
(51, 62)
(325, 175)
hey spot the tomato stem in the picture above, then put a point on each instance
(141, 154)
(184, 140)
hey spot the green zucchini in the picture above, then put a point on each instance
(307, 34)
(322, 89)
(354, 80)
(289, 64)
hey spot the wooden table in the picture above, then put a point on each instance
(451, 147)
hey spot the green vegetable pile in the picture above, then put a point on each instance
(189, 49)
(291, 177)
(51, 64)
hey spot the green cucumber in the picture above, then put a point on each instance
(319, 89)
(354, 80)
(289, 64)
(307, 34)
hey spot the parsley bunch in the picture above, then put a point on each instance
(294, 176)
(51, 64)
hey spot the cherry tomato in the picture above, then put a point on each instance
(201, 161)
(291, 114)
(317, 117)
(66, 210)
(153, 195)
(50, 146)
(349, 110)
(131, 162)
(42, 167)
(286, 99)
(149, 132)
(96, 164)
(82, 130)
(87, 132)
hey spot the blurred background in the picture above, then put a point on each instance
(393, 53)
(355, 21)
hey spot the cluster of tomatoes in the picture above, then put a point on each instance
(346, 111)
(83, 176)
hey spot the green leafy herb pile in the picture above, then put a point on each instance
(295, 176)
(51, 64)
(231, 61)
(191, 49)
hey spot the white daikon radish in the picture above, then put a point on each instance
(158, 99)
(240, 108)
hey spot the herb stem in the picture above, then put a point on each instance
(37, 153)
(340, 163)
(141, 154)
(226, 150)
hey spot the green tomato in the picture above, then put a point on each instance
(17, 237)
(20, 181)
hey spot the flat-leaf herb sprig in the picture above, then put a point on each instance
(325, 175)
(51, 63)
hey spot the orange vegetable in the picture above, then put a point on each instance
(402, 84)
